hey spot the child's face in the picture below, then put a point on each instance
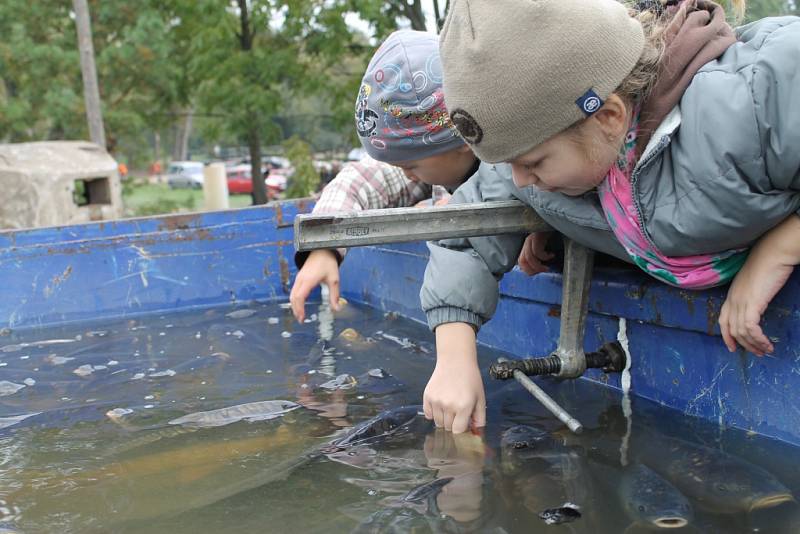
(448, 169)
(571, 162)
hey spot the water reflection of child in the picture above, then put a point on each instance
(689, 178)
(460, 457)
(330, 404)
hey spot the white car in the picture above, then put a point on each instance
(185, 174)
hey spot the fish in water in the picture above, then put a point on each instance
(241, 314)
(565, 513)
(379, 427)
(542, 472)
(393, 520)
(343, 381)
(251, 411)
(408, 516)
(181, 475)
(422, 493)
(717, 481)
(523, 437)
(652, 501)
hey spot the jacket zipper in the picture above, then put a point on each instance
(662, 144)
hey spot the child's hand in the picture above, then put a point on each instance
(533, 254)
(454, 396)
(751, 292)
(321, 266)
(765, 272)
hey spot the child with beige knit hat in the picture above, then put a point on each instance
(683, 127)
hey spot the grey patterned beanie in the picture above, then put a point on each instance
(400, 112)
(517, 72)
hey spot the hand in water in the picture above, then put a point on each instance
(321, 266)
(454, 397)
(533, 255)
(460, 457)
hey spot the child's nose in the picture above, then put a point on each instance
(521, 177)
(410, 175)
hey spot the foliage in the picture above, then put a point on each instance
(41, 77)
(769, 8)
(305, 178)
(296, 72)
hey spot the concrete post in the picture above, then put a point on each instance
(215, 187)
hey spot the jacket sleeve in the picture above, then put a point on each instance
(462, 276)
(366, 185)
(776, 97)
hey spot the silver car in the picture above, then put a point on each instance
(185, 174)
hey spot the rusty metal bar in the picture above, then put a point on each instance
(547, 401)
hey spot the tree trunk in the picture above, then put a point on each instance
(414, 13)
(91, 89)
(438, 15)
(183, 131)
(259, 189)
(259, 193)
(156, 146)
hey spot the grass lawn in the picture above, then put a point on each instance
(155, 199)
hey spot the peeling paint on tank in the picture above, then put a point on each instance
(56, 282)
(712, 316)
(178, 222)
(285, 275)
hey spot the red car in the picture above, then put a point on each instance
(240, 182)
(239, 179)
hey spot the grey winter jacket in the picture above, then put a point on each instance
(461, 279)
(721, 170)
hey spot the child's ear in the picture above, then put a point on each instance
(612, 117)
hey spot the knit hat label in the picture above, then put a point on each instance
(589, 102)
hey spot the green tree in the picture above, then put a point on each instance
(758, 9)
(305, 178)
(39, 72)
(42, 95)
(252, 56)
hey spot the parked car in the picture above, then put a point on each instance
(185, 174)
(356, 154)
(276, 183)
(239, 179)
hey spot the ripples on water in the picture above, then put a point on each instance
(213, 421)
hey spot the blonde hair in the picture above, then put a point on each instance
(637, 85)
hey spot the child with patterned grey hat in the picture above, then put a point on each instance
(682, 126)
(411, 144)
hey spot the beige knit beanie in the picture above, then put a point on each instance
(517, 72)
